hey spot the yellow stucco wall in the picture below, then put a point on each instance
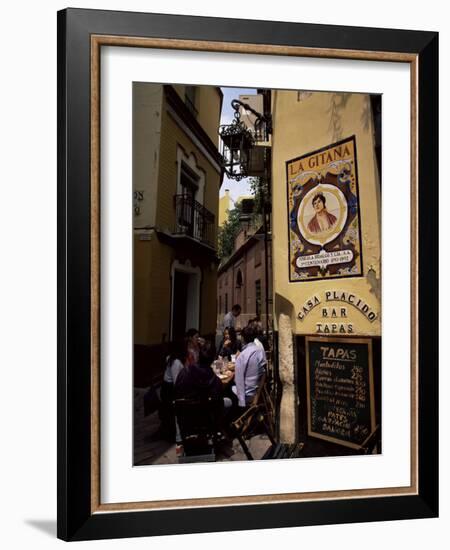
(300, 127)
(208, 311)
(147, 103)
(172, 136)
(152, 263)
(153, 259)
(152, 291)
(225, 205)
(209, 111)
(208, 105)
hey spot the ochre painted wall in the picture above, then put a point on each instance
(172, 136)
(225, 205)
(208, 105)
(300, 127)
(152, 264)
(208, 299)
(153, 259)
(152, 291)
(209, 102)
(147, 105)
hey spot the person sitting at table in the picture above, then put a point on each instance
(230, 345)
(174, 365)
(260, 338)
(250, 368)
(193, 346)
(198, 380)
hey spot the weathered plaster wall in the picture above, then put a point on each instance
(304, 123)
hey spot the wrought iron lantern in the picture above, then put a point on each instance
(237, 142)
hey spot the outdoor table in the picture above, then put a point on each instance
(228, 373)
(226, 378)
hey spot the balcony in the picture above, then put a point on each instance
(194, 220)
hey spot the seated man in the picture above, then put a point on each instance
(250, 367)
(198, 380)
(198, 383)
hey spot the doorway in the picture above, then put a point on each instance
(180, 293)
(185, 310)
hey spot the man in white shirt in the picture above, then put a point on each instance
(230, 318)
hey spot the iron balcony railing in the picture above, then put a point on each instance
(194, 220)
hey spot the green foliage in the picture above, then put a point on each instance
(230, 229)
(228, 233)
(259, 190)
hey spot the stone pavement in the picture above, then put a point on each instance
(148, 451)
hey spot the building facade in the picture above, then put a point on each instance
(327, 266)
(245, 278)
(176, 180)
(242, 280)
(225, 205)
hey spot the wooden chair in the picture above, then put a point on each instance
(199, 424)
(370, 442)
(255, 418)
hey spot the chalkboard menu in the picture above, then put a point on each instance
(339, 377)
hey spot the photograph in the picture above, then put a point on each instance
(256, 274)
(233, 290)
(224, 296)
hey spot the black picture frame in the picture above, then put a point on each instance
(76, 520)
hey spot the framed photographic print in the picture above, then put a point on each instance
(247, 244)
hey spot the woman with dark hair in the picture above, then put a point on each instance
(230, 345)
(193, 346)
(322, 219)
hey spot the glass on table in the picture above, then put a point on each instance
(218, 365)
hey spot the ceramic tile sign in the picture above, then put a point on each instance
(324, 214)
(340, 390)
